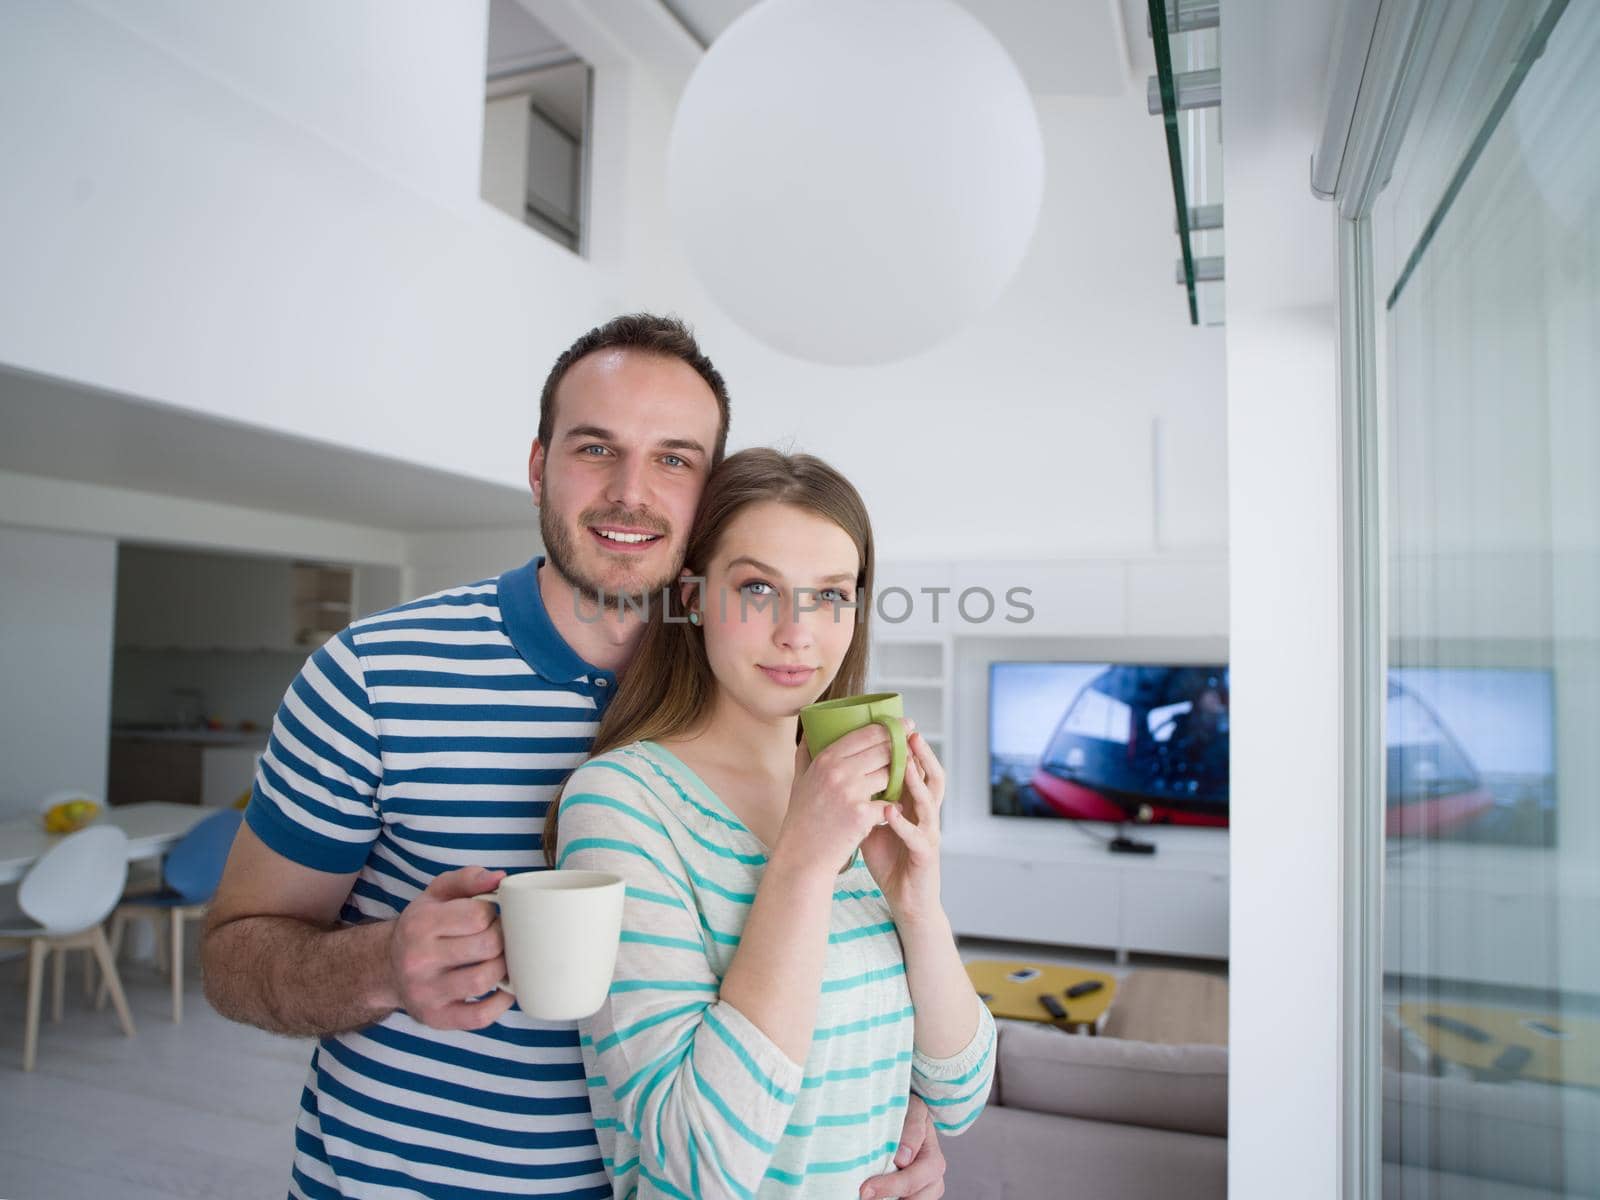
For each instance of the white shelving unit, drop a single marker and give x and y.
(918, 667)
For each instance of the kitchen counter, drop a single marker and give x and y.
(183, 766)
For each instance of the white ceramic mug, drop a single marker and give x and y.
(561, 930)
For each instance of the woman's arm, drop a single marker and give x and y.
(775, 978)
(953, 1062)
(947, 1004)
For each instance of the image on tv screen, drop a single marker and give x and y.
(1109, 742)
(1471, 755)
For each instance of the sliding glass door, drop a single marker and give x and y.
(1479, 264)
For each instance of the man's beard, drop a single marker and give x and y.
(561, 552)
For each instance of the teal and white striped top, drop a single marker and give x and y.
(690, 1099)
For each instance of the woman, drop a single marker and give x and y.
(769, 1012)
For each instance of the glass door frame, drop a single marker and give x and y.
(1365, 665)
(1387, 96)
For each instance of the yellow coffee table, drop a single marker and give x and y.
(1560, 1049)
(1013, 989)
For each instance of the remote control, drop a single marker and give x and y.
(1053, 1006)
(1084, 988)
(1460, 1028)
(1512, 1059)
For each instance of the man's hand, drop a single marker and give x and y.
(920, 1162)
(446, 948)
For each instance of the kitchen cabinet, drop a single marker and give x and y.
(181, 600)
(181, 766)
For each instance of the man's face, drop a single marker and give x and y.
(618, 485)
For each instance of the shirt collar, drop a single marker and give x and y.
(532, 632)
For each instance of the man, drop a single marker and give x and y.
(427, 741)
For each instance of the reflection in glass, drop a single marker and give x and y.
(1486, 265)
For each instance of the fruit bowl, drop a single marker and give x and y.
(68, 812)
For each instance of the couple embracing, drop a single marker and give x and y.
(776, 1025)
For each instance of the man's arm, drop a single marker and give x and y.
(274, 954)
(919, 1162)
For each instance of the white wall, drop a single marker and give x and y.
(210, 212)
(1284, 553)
(56, 597)
(181, 228)
(435, 561)
(397, 85)
(1036, 432)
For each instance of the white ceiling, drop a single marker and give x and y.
(519, 42)
(525, 58)
(67, 432)
(1062, 47)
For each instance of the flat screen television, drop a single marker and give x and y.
(1109, 742)
(1470, 750)
(1471, 755)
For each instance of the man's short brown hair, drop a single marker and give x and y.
(647, 333)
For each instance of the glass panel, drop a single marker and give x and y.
(1486, 257)
(1185, 55)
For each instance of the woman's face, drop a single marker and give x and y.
(773, 610)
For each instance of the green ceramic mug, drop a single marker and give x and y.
(829, 721)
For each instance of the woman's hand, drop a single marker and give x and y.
(903, 854)
(830, 802)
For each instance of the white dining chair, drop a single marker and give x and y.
(66, 896)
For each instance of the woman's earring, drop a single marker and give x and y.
(694, 617)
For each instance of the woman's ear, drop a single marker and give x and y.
(691, 591)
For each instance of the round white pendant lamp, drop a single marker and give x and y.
(854, 180)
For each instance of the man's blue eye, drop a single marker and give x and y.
(598, 449)
(674, 461)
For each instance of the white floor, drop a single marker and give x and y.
(199, 1110)
(204, 1109)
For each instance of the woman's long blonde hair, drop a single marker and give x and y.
(668, 688)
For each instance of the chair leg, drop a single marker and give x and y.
(175, 941)
(38, 949)
(163, 959)
(88, 973)
(119, 923)
(58, 984)
(102, 951)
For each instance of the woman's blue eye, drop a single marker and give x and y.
(835, 596)
(757, 583)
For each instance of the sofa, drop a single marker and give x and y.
(1140, 1111)
(1101, 1117)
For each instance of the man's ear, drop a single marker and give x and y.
(536, 472)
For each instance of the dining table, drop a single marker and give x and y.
(152, 829)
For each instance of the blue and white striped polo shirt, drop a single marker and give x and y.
(425, 738)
